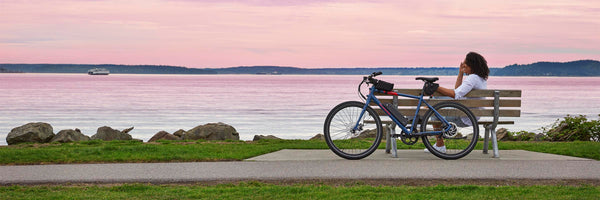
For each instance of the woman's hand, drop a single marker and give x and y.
(462, 68)
(461, 71)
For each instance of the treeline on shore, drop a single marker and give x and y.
(573, 68)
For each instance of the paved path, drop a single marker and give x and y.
(316, 165)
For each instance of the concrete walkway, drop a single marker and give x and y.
(313, 155)
(288, 165)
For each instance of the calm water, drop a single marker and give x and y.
(288, 106)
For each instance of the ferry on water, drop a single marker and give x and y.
(98, 71)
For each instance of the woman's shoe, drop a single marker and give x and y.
(439, 149)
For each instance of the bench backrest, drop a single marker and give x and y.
(509, 102)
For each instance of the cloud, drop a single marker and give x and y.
(296, 33)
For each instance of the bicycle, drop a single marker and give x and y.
(353, 129)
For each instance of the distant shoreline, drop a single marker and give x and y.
(408, 75)
(583, 68)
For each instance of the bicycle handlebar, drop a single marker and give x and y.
(370, 79)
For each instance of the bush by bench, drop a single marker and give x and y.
(493, 108)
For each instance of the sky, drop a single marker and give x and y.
(299, 33)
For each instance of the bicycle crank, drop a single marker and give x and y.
(409, 140)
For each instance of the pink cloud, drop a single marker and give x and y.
(297, 33)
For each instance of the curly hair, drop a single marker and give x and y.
(478, 64)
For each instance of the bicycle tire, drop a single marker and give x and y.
(339, 134)
(458, 145)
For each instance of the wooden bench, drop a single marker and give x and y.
(491, 106)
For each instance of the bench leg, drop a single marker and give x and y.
(388, 140)
(394, 147)
(486, 140)
(495, 144)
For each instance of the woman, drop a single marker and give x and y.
(476, 69)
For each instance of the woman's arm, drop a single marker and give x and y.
(446, 91)
(459, 78)
(450, 92)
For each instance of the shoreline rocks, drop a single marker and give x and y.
(163, 135)
(212, 131)
(107, 134)
(319, 136)
(69, 135)
(265, 137)
(39, 132)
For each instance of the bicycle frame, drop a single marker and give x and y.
(371, 98)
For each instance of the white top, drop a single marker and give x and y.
(469, 83)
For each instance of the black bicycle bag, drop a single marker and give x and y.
(385, 86)
(394, 112)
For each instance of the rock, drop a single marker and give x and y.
(179, 133)
(107, 134)
(268, 137)
(69, 135)
(372, 133)
(502, 135)
(163, 135)
(212, 131)
(468, 138)
(127, 130)
(32, 132)
(318, 137)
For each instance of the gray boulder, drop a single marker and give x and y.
(263, 137)
(107, 134)
(212, 131)
(318, 137)
(502, 135)
(179, 133)
(32, 132)
(163, 135)
(127, 130)
(371, 133)
(69, 135)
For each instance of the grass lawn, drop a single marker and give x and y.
(188, 151)
(257, 190)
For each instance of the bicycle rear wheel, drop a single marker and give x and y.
(462, 136)
(342, 137)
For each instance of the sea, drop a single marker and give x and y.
(287, 106)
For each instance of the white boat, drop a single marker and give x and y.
(98, 71)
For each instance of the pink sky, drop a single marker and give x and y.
(300, 33)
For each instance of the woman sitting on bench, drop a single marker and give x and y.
(476, 68)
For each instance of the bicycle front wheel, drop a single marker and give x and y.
(349, 135)
(461, 136)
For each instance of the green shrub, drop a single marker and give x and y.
(573, 128)
(524, 136)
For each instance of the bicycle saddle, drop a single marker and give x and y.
(428, 79)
